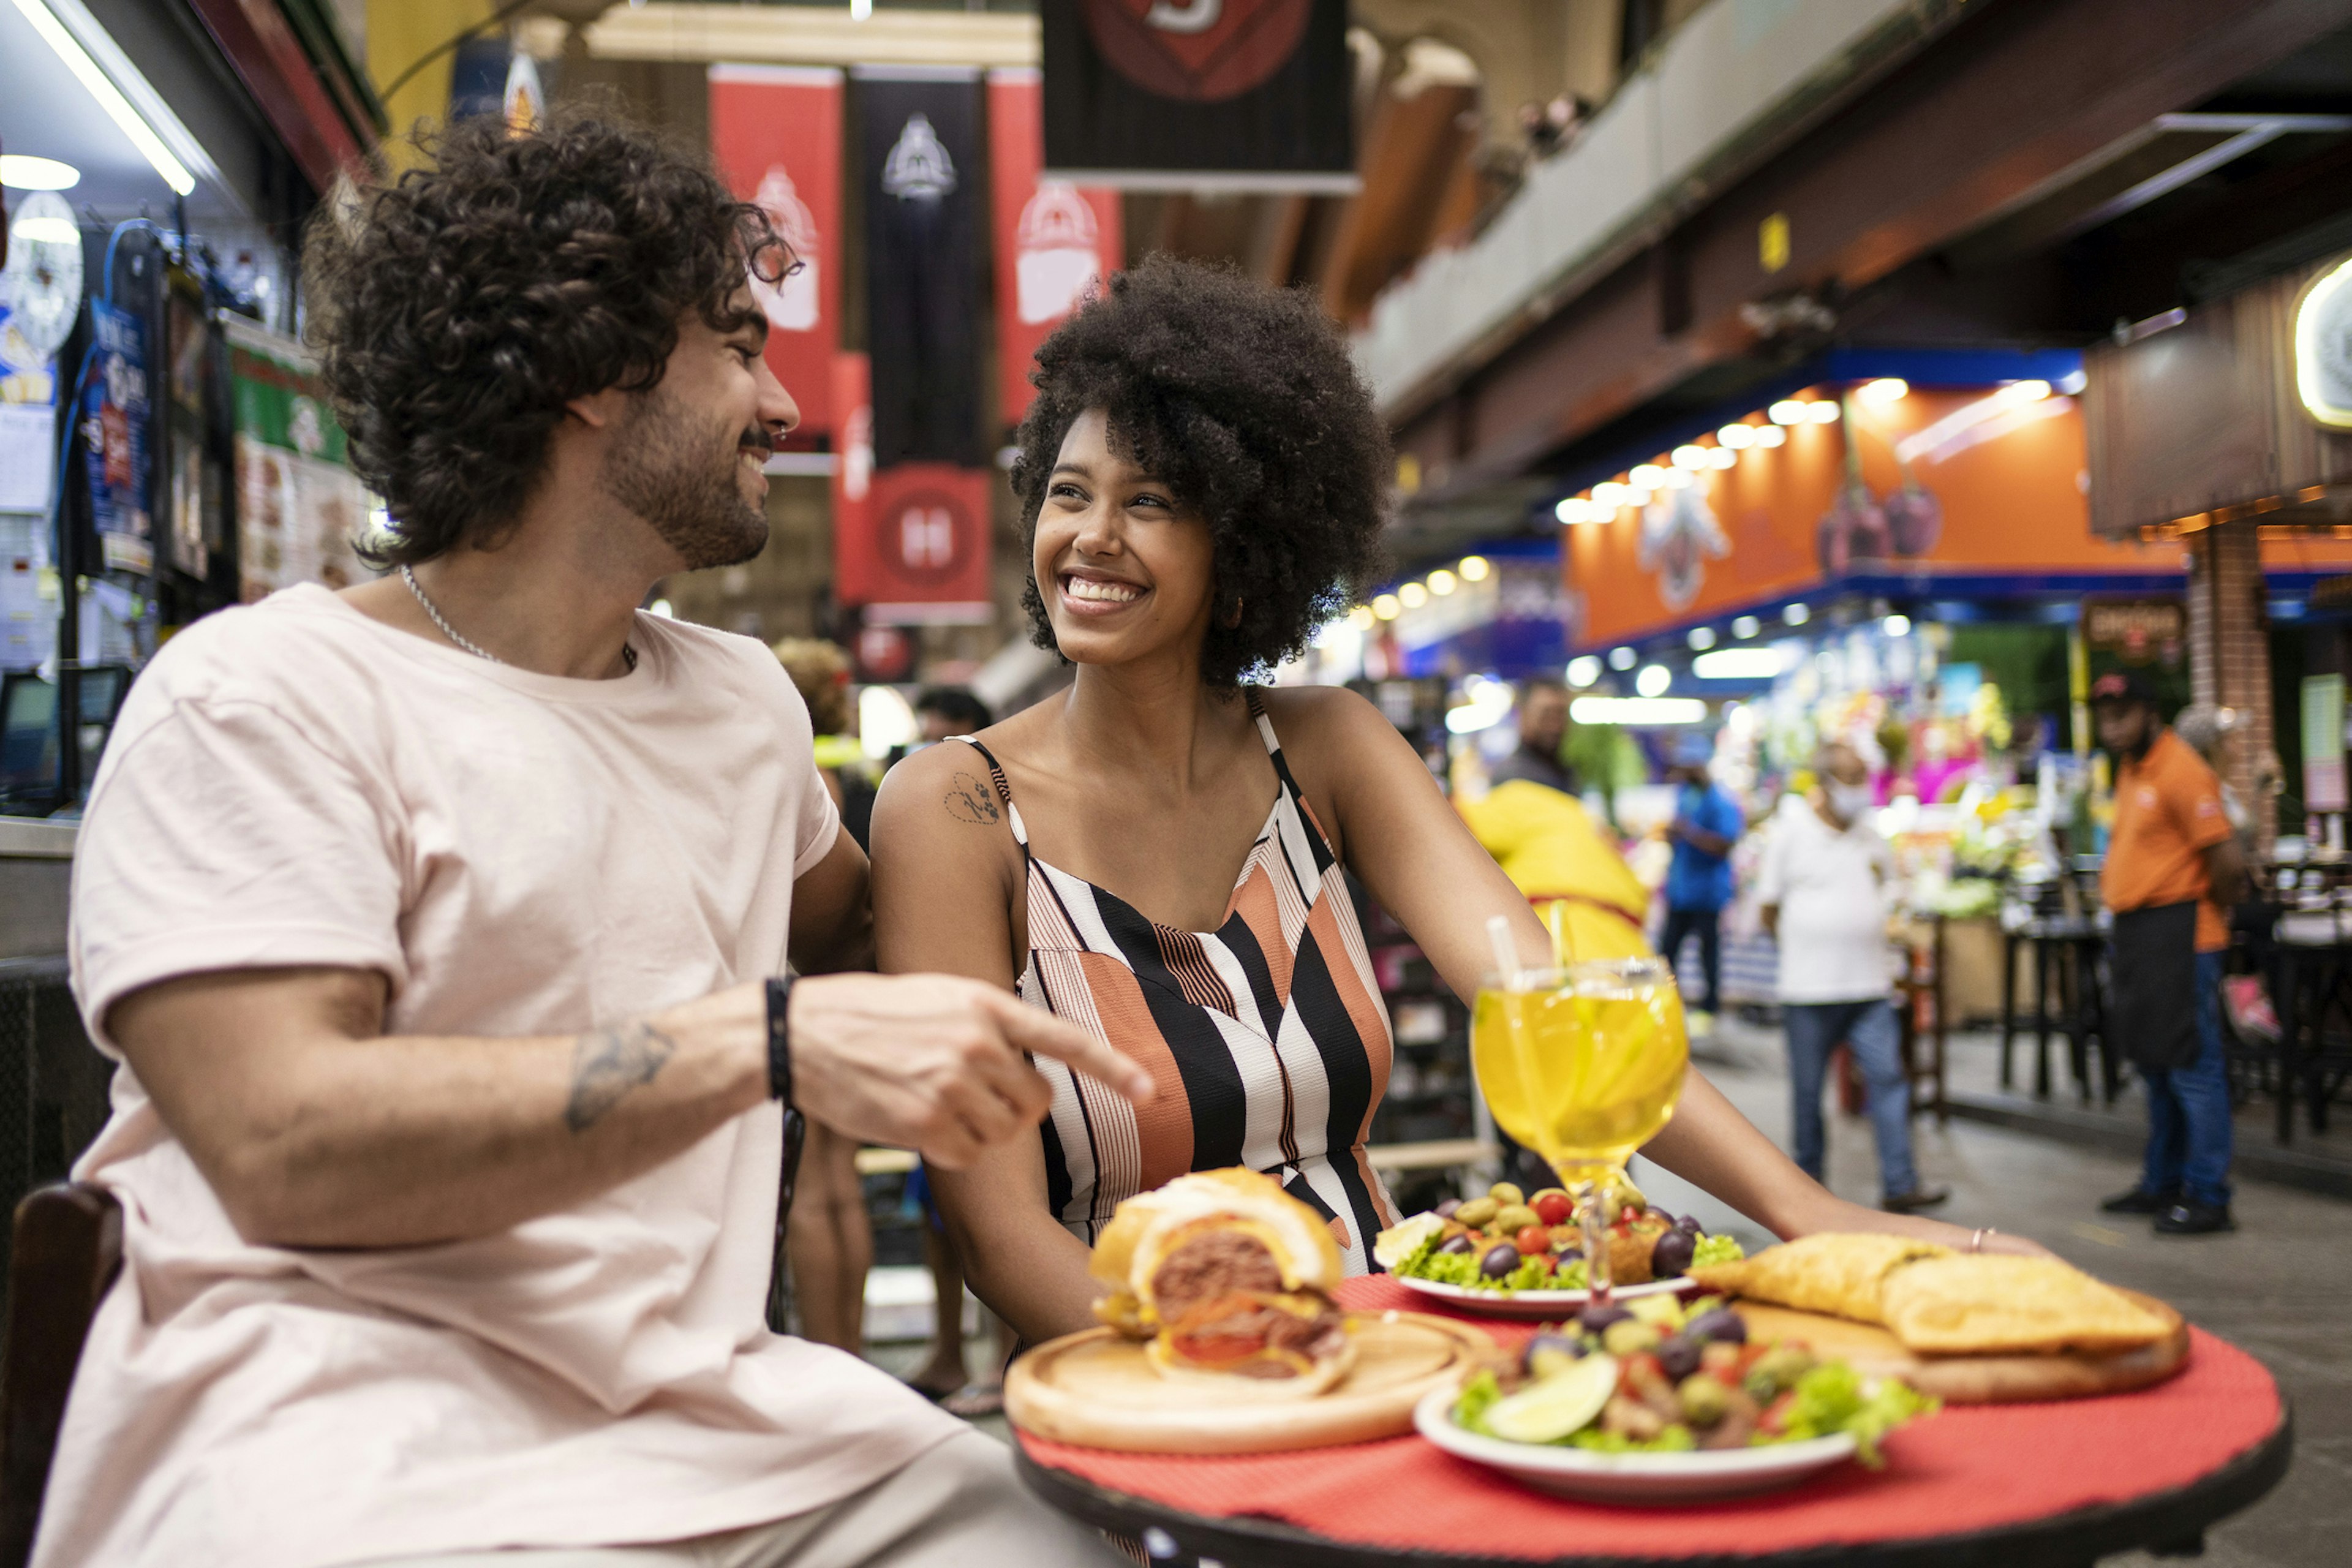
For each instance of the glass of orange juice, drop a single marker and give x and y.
(1583, 1064)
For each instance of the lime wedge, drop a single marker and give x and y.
(1402, 1239)
(1549, 1410)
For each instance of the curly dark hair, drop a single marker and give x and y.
(1243, 401)
(458, 308)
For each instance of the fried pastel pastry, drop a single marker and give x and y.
(1964, 1305)
(1839, 1274)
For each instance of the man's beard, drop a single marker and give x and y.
(660, 468)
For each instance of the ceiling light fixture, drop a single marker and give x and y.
(22, 171)
(1473, 568)
(1788, 411)
(1769, 435)
(1737, 437)
(102, 85)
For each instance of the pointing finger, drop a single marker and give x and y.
(1032, 1029)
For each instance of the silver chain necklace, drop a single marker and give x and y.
(628, 654)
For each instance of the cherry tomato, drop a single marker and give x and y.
(1533, 1240)
(1554, 1208)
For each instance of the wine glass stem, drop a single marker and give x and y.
(1591, 1201)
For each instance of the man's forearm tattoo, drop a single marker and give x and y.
(608, 1063)
(970, 800)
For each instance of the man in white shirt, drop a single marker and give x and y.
(1822, 892)
(434, 922)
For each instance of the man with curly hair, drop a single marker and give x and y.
(431, 922)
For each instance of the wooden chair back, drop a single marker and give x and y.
(69, 1248)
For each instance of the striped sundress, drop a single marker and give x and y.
(1266, 1036)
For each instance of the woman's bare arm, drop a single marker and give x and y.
(945, 873)
(1414, 853)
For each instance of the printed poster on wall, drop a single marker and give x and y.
(853, 478)
(775, 136)
(1055, 241)
(1181, 94)
(115, 413)
(300, 509)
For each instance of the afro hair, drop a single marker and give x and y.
(1243, 399)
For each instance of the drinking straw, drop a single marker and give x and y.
(1563, 952)
(1507, 954)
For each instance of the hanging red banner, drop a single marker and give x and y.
(1053, 240)
(775, 136)
(920, 554)
(851, 383)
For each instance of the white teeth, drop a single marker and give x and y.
(1107, 593)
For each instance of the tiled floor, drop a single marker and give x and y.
(2281, 1287)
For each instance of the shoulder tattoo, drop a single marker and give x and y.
(970, 799)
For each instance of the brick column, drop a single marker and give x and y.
(2230, 657)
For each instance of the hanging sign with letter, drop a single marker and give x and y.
(920, 149)
(1053, 240)
(921, 557)
(1191, 94)
(775, 135)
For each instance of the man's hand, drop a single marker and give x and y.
(933, 1062)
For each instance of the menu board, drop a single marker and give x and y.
(300, 509)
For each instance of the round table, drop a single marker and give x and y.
(2018, 1486)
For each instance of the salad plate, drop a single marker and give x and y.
(1536, 1303)
(1632, 1477)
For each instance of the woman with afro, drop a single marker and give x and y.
(1157, 852)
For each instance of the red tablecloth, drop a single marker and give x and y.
(1965, 1469)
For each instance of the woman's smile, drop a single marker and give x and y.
(1093, 594)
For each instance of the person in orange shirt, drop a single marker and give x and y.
(2172, 866)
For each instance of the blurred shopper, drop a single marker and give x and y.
(828, 1236)
(2173, 867)
(945, 710)
(1707, 825)
(433, 923)
(1822, 892)
(1543, 725)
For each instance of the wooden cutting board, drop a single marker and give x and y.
(1977, 1379)
(1096, 1389)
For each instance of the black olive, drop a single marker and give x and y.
(1719, 1325)
(1445, 1210)
(1689, 1222)
(1596, 1320)
(1499, 1261)
(1671, 1253)
(1455, 1244)
(1678, 1356)
(1566, 1345)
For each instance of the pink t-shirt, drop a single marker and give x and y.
(295, 783)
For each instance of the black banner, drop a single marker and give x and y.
(920, 149)
(1177, 94)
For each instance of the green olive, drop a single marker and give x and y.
(1478, 1212)
(1704, 1399)
(1507, 1193)
(1630, 1336)
(1515, 1217)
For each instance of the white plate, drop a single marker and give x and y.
(1535, 1304)
(1689, 1477)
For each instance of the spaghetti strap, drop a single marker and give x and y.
(1004, 790)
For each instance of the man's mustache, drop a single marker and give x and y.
(757, 440)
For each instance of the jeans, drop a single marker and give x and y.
(1869, 1027)
(2188, 1131)
(1707, 925)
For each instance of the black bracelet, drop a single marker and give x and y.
(780, 1039)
